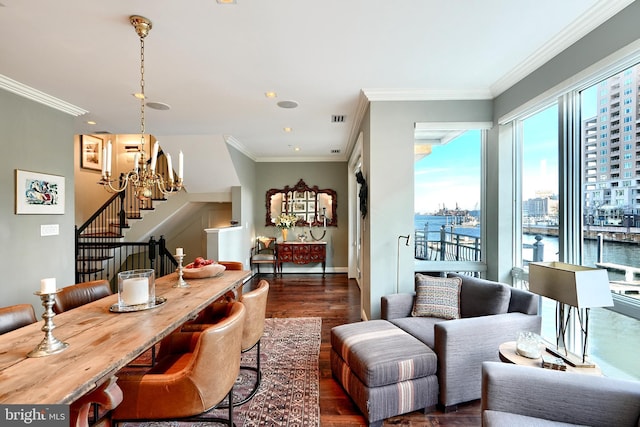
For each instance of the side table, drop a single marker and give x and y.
(508, 354)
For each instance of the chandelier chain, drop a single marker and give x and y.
(143, 96)
(143, 178)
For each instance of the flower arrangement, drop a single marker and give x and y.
(286, 221)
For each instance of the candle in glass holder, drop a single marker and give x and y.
(135, 291)
(48, 286)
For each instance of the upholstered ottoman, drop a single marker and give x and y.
(385, 370)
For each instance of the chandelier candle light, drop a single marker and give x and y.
(142, 178)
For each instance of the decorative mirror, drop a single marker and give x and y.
(312, 206)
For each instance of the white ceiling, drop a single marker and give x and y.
(212, 63)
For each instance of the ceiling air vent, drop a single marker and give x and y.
(335, 151)
(338, 118)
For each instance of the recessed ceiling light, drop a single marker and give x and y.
(271, 94)
(226, 1)
(296, 149)
(91, 122)
(287, 129)
(287, 104)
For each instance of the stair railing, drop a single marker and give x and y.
(98, 240)
(104, 260)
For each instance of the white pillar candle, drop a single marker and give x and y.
(108, 159)
(154, 157)
(104, 162)
(135, 291)
(170, 167)
(180, 165)
(179, 252)
(48, 286)
(136, 160)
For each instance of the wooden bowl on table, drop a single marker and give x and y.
(210, 270)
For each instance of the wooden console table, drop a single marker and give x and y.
(301, 253)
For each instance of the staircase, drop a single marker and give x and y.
(100, 247)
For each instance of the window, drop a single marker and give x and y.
(447, 196)
(607, 206)
(609, 213)
(540, 185)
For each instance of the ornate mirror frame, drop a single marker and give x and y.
(313, 206)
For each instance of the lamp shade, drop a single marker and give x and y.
(575, 285)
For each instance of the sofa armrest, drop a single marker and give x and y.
(523, 301)
(396, 305)
(560, 396)
(463, 344)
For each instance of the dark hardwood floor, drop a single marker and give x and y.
(336, 300)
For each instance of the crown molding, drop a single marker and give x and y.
(232, 141)
(425, 94)
(590, 20)
(28, 92)
(315, 159)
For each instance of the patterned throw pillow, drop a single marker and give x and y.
(437, 297)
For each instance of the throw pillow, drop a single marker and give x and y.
(437, 297)
(481, 297)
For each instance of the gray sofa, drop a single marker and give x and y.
(534, 397)
(491, 313)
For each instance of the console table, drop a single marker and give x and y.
(301, 253)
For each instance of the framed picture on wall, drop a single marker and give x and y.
(91, 152)
(39, 193)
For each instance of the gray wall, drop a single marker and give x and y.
(331, 175)
(39, 139)
(244, 197)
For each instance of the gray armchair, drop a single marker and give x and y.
(491, 314)
(523, 396)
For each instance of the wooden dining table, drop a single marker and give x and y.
(101, 342)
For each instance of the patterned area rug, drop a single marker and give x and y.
(289, 393)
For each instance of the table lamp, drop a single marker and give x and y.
(576, 287)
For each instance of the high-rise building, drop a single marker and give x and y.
(611, 151)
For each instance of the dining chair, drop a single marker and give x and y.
(255, 302)
(264, 252)
(79, 294)
(232, 265)
(195, 372)
(16, 316)
(235, 294)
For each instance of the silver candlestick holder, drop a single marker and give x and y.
(50, 344)
(180, 283)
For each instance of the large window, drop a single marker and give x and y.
(580, 195)
(448, 195)
(540, 186)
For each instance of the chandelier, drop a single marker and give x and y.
(143, 178)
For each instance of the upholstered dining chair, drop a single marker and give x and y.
(194, 373)
(235, 294)
(16, 316)
(255, 301)
(79, 294)
(232, 265)
(264, 252)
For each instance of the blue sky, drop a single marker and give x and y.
(451, 173)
